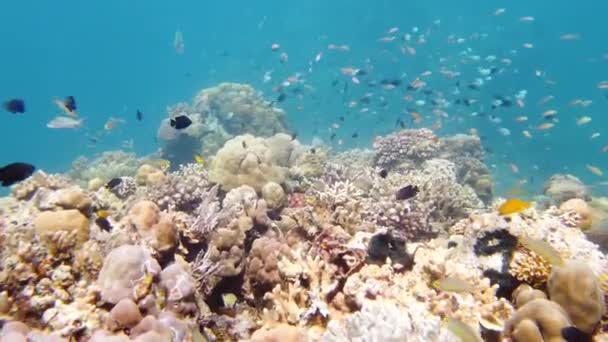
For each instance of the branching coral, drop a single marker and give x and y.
(413, 144)
(530, 268)
(182, 190)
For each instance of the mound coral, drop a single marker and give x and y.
(240, 110)
(155, 228)
(560, 188)
(123, 269)
(576, 288)
(537, 321)
(409, 144)
(247, 160)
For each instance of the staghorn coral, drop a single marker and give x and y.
(248, 160)
(182, 190)
(408, 144)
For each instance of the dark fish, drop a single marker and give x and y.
(294, 135)
(361, 72)
(313, 150)
(474, 86)
(180, 122)
(14, 106)
(103, 224)
(244, 144)
(139, 115)
(365, 99)
(355, 135)
(572, 334)
(406, 192)
(400, 123)
(341, 118)
(427, 92)
(458, 84)
(393, 82)
(114, 182)
(494, 70)
(281, 97)
(335, 82)
(70, 103)
(383, 173)
(333, 136)
(15, 173)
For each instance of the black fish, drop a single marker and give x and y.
(244, 144)
(572, 334)
(103, 224)
(139, 115)
(14, 106)
(400, 122)
(383, 173)
(15, 173)
(114, 182)
(365, 99)
(393, 82)
(361, 72)
(341, 118)
(474, 86)
(70, 103)
(180, 122)
(355, 135)
(313, 150)
(406, 192)
(332, 137)
(294, 136)
(335, 82)
(281, 97)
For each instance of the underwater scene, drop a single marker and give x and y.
(304, 171)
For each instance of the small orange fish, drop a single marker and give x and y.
(595, 170)
(513, 206)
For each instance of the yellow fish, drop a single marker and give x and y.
(229, 300)
(513, 206)
(462, 330)
(542, 248)
(198, 159)
(103, 214)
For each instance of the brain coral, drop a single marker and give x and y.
(253, 161)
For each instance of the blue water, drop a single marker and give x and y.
(117, 56)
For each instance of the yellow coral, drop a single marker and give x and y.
(529, 267)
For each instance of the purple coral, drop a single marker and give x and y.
(412, 144)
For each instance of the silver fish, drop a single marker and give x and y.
(64, 122)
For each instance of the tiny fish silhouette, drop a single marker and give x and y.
(406, 192)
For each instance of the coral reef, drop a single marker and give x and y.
(273, 240)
